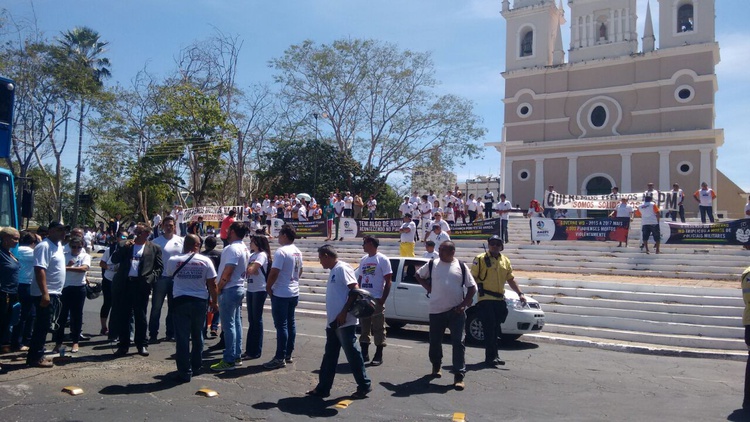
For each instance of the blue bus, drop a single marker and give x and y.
(8, 208)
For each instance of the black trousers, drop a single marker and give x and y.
(492, 313)
(130, 295)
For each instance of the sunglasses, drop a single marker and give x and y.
(495, 244)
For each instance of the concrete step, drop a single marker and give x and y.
(623, 295)
(675, 340)
(724, 326)
(732, 313)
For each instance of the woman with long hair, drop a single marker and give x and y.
(257, 272)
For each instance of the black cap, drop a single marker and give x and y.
(56, 225)
(495, 237)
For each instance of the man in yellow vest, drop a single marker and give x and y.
(492, 270)
(745, 281)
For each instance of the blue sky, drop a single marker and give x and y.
(466, 39)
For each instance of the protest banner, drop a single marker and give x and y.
(734, 232)
(666, 201)
(303, 228)
(587, 229)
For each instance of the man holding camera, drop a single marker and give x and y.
(491, 270)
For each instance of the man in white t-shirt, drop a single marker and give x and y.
(348, 205)
(408, 232)
(680, 194)
(437, 235)
(431, 198)
(73, 294)
(489, 202)
(155, 223)
(338, 210)
(623, 212)
(46, 288)
(443, 224)
(231, 287)
(425, 215)
(194, 290)
(374, 275)
(170, 245)
(406, 207)
(340, 327)
(503, 207)
(650, 222)
(181, 224)
(283, 287)
(445, 280)
(372, 205)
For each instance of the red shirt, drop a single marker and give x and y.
(224, 230)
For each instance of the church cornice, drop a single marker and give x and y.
(528, 10)
(598, 63)
(642, 142)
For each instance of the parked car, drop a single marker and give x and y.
(408, 302)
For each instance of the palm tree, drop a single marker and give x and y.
(82, 71)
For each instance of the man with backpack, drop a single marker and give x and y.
(491, 270)
(445, 279)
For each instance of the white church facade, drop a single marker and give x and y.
(611, 115)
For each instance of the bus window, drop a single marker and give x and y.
(7, 202)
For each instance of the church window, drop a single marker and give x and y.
(524, 175)
(524, 110)
(598, 116)
(527, 44)
(684, 94)
(685, 168)
(685, 18)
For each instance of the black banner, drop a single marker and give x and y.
(734, 232)
(303, 228)
(388, 228)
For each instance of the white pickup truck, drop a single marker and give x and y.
(407, 303)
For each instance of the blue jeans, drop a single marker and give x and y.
(44, 318)
(22, 331)
(73, 298)
(706, 210)
(337, 339)
(282, 310)
(680, 211)
(455, 323)
(189, 318)
(549, 213)
(162, 288)
(230, 308)
(255, 302)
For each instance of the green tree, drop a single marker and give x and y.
(81, 71)
(379, 103)
(311, 166)
(191, 126)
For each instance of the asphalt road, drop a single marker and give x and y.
(541, 382)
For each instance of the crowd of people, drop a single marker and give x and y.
(46, 276)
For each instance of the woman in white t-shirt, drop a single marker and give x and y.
(257, 271)
(73, 294)
(449, 214)
(436, 207)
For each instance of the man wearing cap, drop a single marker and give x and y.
(408, 230)
(437, 235)
(49, 279)
(492, 270)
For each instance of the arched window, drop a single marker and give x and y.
(685, 18)
(527, 44)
